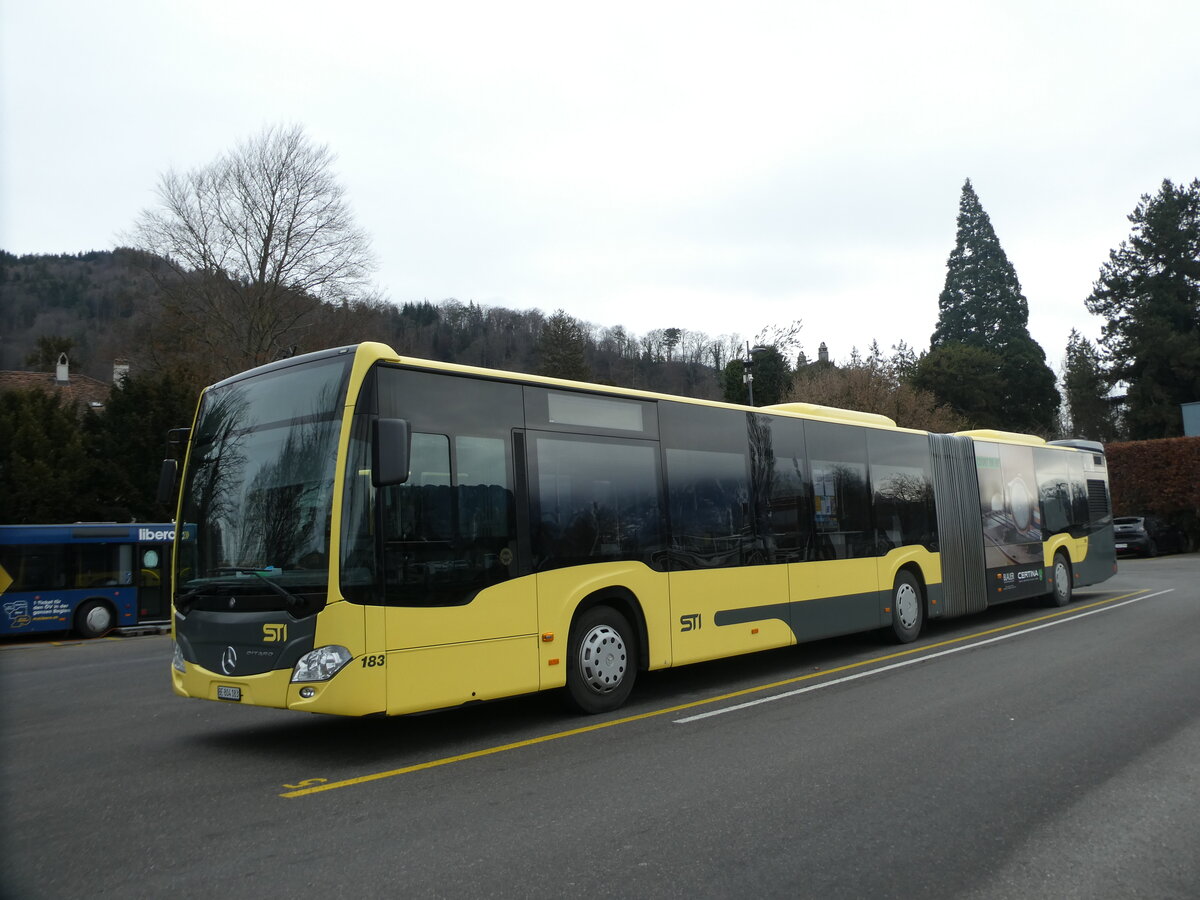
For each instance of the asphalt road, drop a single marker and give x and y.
(1019, 753)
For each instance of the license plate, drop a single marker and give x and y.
(228, 693)
(1121, 546)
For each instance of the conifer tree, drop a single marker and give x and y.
(772, 378)
(561, 348)
(1149, 293)
(981, 306)
(1088, 407)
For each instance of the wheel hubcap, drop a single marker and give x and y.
(98, 619)
(907, 606)
(1062, 581)
(602, 659)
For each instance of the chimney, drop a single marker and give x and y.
(62, 372)
(120, 371)
(823, 353)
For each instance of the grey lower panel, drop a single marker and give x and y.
(811, 620)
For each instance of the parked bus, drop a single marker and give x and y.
(381, 535)
(86, 577)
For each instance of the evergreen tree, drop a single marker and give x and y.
(1149, 293)
(561, 348)
(982, 307)
(44, 470)
(965, 378)
(772, 378)
(981, 303)
(1088, 408)
(127, 443)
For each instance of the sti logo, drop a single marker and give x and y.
(274, 634)
(689, 622)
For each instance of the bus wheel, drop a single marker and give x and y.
(1061, 595)
(94, 619)
(602, 661)
(908, 608)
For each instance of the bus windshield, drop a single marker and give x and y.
(259, 486)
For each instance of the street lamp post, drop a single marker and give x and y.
(748, 370)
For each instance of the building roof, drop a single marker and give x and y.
(81, 390)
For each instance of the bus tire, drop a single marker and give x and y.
(908, 608)
(94, 619)
(1061, 595)
(602, 661)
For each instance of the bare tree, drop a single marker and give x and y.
(256, 241)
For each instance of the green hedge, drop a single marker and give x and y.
(1160, 477)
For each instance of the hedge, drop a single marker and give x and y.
(1160, 477)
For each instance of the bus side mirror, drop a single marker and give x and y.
(390, 445)
(166, 482)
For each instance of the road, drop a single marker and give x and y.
(1022, 752)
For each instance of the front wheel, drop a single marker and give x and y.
(602, 661)
(908, 608)
(1061, 595)
(94, 619)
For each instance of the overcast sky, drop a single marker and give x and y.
(718, 167)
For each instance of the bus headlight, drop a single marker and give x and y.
(177, 659)
(321, 664)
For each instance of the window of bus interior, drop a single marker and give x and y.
(446, 537)
(837, 455)
(595, 499)
(450, 530)
(902, 490)
(779, 473)
(1009, 508)
(1054, 489)
(102, 565)
(35, 567)
(574, 411)
(708, 484)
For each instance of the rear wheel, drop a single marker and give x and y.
(1061, 595)
(94, 619)
(602, 660)
(908, 608)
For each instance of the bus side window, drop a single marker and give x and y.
(596, 499)
(841, 498)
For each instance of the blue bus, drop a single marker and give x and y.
(87, 577)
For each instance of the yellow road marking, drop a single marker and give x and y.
(731, 695)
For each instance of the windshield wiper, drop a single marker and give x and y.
(220, 587)
(292, 599)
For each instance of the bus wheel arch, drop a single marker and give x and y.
(626, 603)
(94, 618)
(1061, 595)
(602, 658)
(907, 602)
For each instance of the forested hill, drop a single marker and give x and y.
(94, 299)
(107, 305)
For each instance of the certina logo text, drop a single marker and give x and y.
(228, 660)
(149, 534)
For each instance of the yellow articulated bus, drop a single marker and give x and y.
(381, 535)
